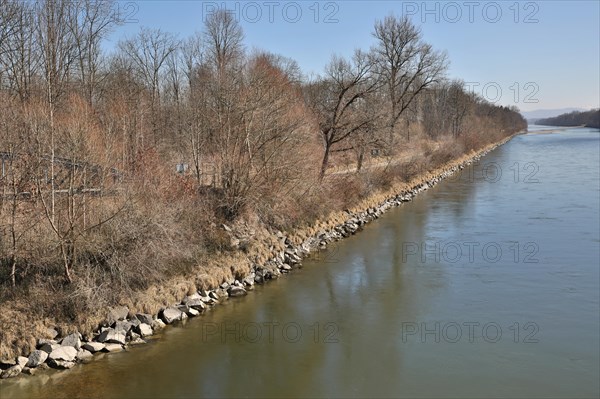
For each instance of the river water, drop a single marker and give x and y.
(485, 286)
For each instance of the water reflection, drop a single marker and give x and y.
(373, 291)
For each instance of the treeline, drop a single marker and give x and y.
(118, 168)
(584, 118)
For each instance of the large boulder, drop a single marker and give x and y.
(117, 313)
(194, 302)
(122, 326)
(93, 347)
(73, 340)
(193, 312)
(7, 363)
(83, 355)
(113, 348)
(111, 335)
(42, 342)
(61, 364)
(36, 358)
(158, 324)
(145, 318)
(65, 353)
(12, 372)
(48, 348)
(171, 315)
(144, 330)
(235, 291)
(22, 361)
(137, 341)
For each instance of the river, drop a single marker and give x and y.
(486, 285)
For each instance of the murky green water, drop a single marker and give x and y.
(485, 286)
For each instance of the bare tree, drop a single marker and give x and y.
(406, 64)
(224, 41)
(459, 103)
(148, 53)
(57, 49)
(90, 21)
(339, 99)
(10, 13)
(445, 107)
(19, 55)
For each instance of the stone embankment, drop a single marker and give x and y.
(122, 328)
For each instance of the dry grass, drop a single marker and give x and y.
(156, 256)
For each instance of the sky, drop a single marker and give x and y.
(529, 54)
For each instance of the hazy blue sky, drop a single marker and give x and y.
(538, 54)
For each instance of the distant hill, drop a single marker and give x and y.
(532, 116)
(585, 118)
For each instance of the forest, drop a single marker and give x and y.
(584, 118)
(124, 170)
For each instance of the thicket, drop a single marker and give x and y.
(119, 169)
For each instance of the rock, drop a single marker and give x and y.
(28, 370)
(66, 353)
(113, 348)
(222, 293)
(22, 361)
(249, 281)
(144, 330)
(193, 312)
(213, 295)
(61, 364)
(195, 303)
(5, 364)
(145, 318)
(235, 291)
(224, 285)
(36, 358)
(112, 336)
(122, 326)
(137, 341)
(93, 347)
(42, 342)
(117, 313)
(11, 372)
(51, 333)
(84, 355)
(169, 315)
(73, 340)
(157, 324)
(48, 348)
(195, 295)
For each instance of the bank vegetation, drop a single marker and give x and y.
(124, 173)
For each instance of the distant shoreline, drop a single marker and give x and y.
(554, 129)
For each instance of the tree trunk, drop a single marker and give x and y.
(359, 161)
(325, 162)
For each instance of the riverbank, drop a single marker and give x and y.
(189, 296)
(554, 130)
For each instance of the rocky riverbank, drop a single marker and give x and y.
(123, 327)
